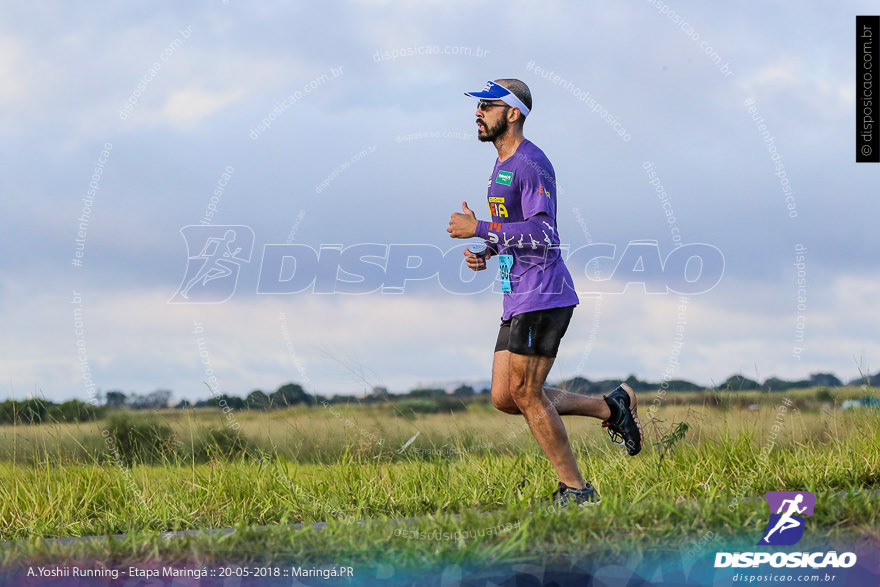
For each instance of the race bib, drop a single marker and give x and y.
(505, 262)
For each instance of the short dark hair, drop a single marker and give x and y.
(519, 89)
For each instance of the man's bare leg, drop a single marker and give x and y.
(526, 376)
(575, 404)
(565, 402)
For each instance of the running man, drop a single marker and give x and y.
(539, 295)
(786, 521)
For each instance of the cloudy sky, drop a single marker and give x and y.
(344, 124)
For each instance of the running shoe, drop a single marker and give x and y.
(624, 426)
(565, 495)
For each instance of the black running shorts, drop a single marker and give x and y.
(534, 333)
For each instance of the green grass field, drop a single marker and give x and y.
(473, 484)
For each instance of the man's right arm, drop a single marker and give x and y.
(476, 262)
(533, 233)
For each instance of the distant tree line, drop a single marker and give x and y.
(733, 383)
(35, 411)
(290, 394)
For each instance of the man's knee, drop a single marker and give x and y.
(504, 404)
(524, 396)
(501, 399)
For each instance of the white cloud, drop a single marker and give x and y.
(15, 82)
(189, 106)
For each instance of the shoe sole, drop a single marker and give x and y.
(634, 411)
(579, 504)
(573, 502)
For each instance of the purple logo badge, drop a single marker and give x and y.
(786, 524)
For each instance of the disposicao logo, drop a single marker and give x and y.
(215, 255)
(784, 528)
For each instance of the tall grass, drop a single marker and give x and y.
(187, 472)
(323, 435)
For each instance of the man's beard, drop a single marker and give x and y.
(493, 132)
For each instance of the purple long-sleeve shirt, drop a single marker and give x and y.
(522, 202)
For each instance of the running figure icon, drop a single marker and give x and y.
(786, 522)
(215, 256)
(788, 513)
(219, 261)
